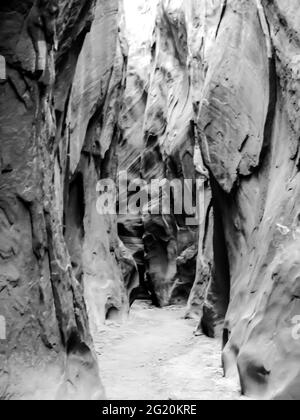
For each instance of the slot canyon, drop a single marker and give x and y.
(142, 305)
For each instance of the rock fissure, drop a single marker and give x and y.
(162, 90)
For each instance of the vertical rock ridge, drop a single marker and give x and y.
(48, 192)
(207, 90)
(235, 68)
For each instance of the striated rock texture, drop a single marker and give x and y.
(158, 142)
(168, 137)
(211, 92)
(225, 75)
(58, 112)
(139, 20)
(249, 131)
(247, 122)
(260, 204)
(93, 136)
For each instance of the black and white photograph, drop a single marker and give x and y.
(149, 203)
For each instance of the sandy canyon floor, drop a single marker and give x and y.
(156, 356)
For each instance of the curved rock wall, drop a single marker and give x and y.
(158, 143)
(261, 216)
(58, 112)
(212, 95)
(225, 74)
(139, 21)
(168, 137)
(248, 128)
(93, 136)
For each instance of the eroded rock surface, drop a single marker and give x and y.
(139, 21)
(261, 219)
(249, 131)
(225, 74)
(208, 90)
(58, 112)
(159, 143)
(92, 119)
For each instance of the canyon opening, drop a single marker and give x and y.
(149, 193)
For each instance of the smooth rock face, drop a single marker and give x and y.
(249, 127)
(222, 76)
(61, 93)
(235, 98)
(92, 119)
(230, 69)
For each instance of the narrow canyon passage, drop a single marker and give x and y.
(156, 356)
(149, 149)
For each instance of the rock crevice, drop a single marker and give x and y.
(166, 89)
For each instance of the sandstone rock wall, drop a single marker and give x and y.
(93, 137)
(222, 76)
(139, 22)
(248, 126)
(225, 74)
(158, 143)
(58, 112)
(261, 221)
(168, 137)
